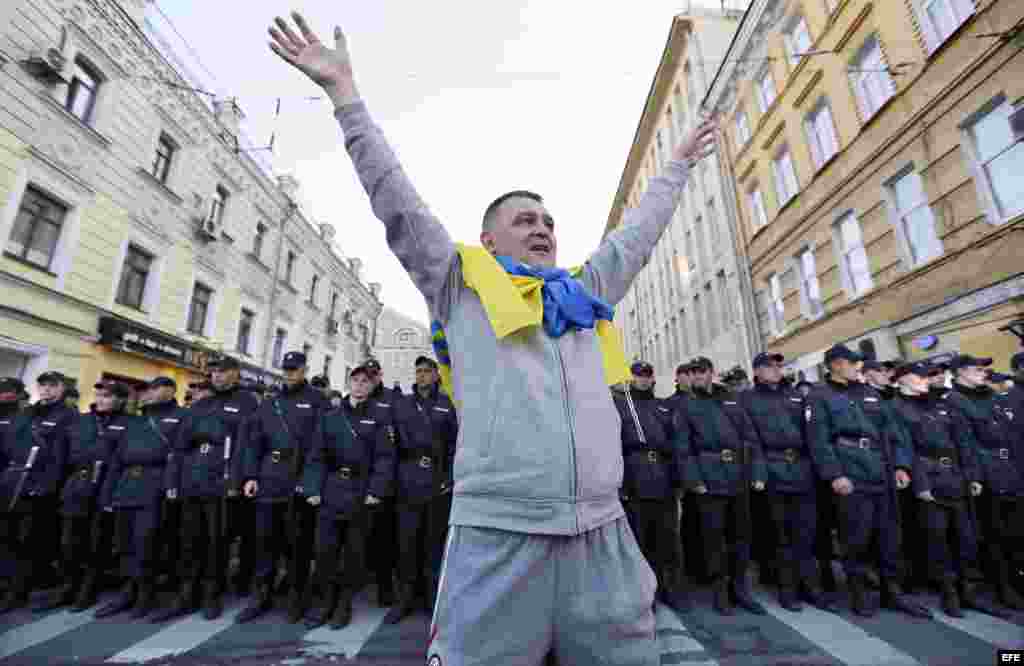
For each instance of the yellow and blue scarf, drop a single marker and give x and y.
(515, 296)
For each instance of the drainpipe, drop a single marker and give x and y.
(267, 342)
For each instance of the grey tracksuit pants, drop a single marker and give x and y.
(507, 599)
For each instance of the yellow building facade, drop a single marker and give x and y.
(879, 186)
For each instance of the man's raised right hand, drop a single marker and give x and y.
(331, 69)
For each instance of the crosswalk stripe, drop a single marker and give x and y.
(184, 635)
(992, 630)
(33, 633)
(844, 640)
(366, 618)
(679, 640)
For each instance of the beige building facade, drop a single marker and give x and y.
(877, 179)
(399, 341)
(690, 299)
(140, 233)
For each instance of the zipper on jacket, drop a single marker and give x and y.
(572, 432)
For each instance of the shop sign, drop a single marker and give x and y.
(126, 336)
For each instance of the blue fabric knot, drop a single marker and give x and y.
(566, 303)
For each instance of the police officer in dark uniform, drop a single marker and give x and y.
(11, 389)
(654, 448)
(321, 383)
(275, 449)
(352, 469)
(724, 457)
(384, 521)
(862, 452)
(33, 460)
(779, 415)
(946, 476)
(203, 469)
(428, 429)
(161, 411)
(991, 425)
(134, 490)
(689, 520)
(879, 376)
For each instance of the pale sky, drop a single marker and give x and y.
(477, 98)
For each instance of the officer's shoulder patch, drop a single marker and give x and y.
(49, 423)
(116, 427)
(663, 409)
(796, 399)
(442, 409)
(943, 412)
(5, 423)
(302, 405)
(870, 399)
(729, 402)
(229, 408)
(368, 421)
(170, 421)
(386, 405)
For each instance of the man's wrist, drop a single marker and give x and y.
(342, 94)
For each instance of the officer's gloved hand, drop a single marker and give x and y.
(314, 500)
(251, 487)
(976, 488)
(172, 493)
(926, 495)
(842, 486)
(902, 479)
(758, 485)
(700, 489)
(371, 500)
(299, 490)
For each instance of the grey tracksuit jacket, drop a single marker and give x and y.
(538, 448)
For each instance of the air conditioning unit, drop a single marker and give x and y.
(1017, 123)
(207, 228)
(48, 67)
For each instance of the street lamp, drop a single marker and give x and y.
(1017, 328)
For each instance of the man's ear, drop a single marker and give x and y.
(487, 240)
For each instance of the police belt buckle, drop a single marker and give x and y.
(790, 455)
(84, 473)
(344, 472)
(946, 461)
(426, 462)
(1003, 454)
(275, 457)
(727, 455)
(204, 449)
(135, 471)
(864, 443)
(652, 456)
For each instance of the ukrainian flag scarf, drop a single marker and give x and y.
(516, 296)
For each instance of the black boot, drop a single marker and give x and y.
(212, 604)
(261, 603)
(742, 597)
(872, 580)
(894, 599)
(123, 602)
(298, 602)
(406, 605)
(970, 600)
(859, 601)
(87, 594)
(147, 598)
(16, 597)
(828, 577)
(814, 595)
(1004, 591)
(951, 600)
(676, 593)
(183, 604)
(321, 615)
(787, 589)
(723, 603)
(64, 597)
(385, 592)
(343, 612)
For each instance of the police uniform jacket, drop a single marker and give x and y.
(992, 433)
(8, 414)
(46, 426)
(352, 457)
(719, 429)
(943, 457)
(281, 429)
(198, 463)
(138, 463)
(780, 415)
(167, 417)
(855, 436)
(652, 469)
(89, 450)
(1015, 400)
(428, 429)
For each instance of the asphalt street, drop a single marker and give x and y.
(700, 638)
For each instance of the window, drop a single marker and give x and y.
(37, 228)
(810, 290)
(165, 149)
(941, 18)
(313, 284)
(334, 304)
(786, 185)
(134, 274)
(757, 212)
(914, 218)
(289, 267)
(279, 338)
(218, 203)
(821, 134)
(766, 90)
(245, 323)
(85, 83)
(999, 160)
(872, 83)
(798, 40)
(327, 366)
(776, 308)
(199, 309)
(257, 241)
(742, 128)
(856, 269)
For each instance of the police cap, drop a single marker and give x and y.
(683, 367)
(641, 369)
(967, 361)
(116, 389)
(50, 377)
(293, 360)
(838, 352)
(11, 385)
(161, 382)
(320, 382)
(764, 358)
(373, 365)
(361, 370)
(223, 363)
(701, 363)
(919, 368)
(425, 360)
